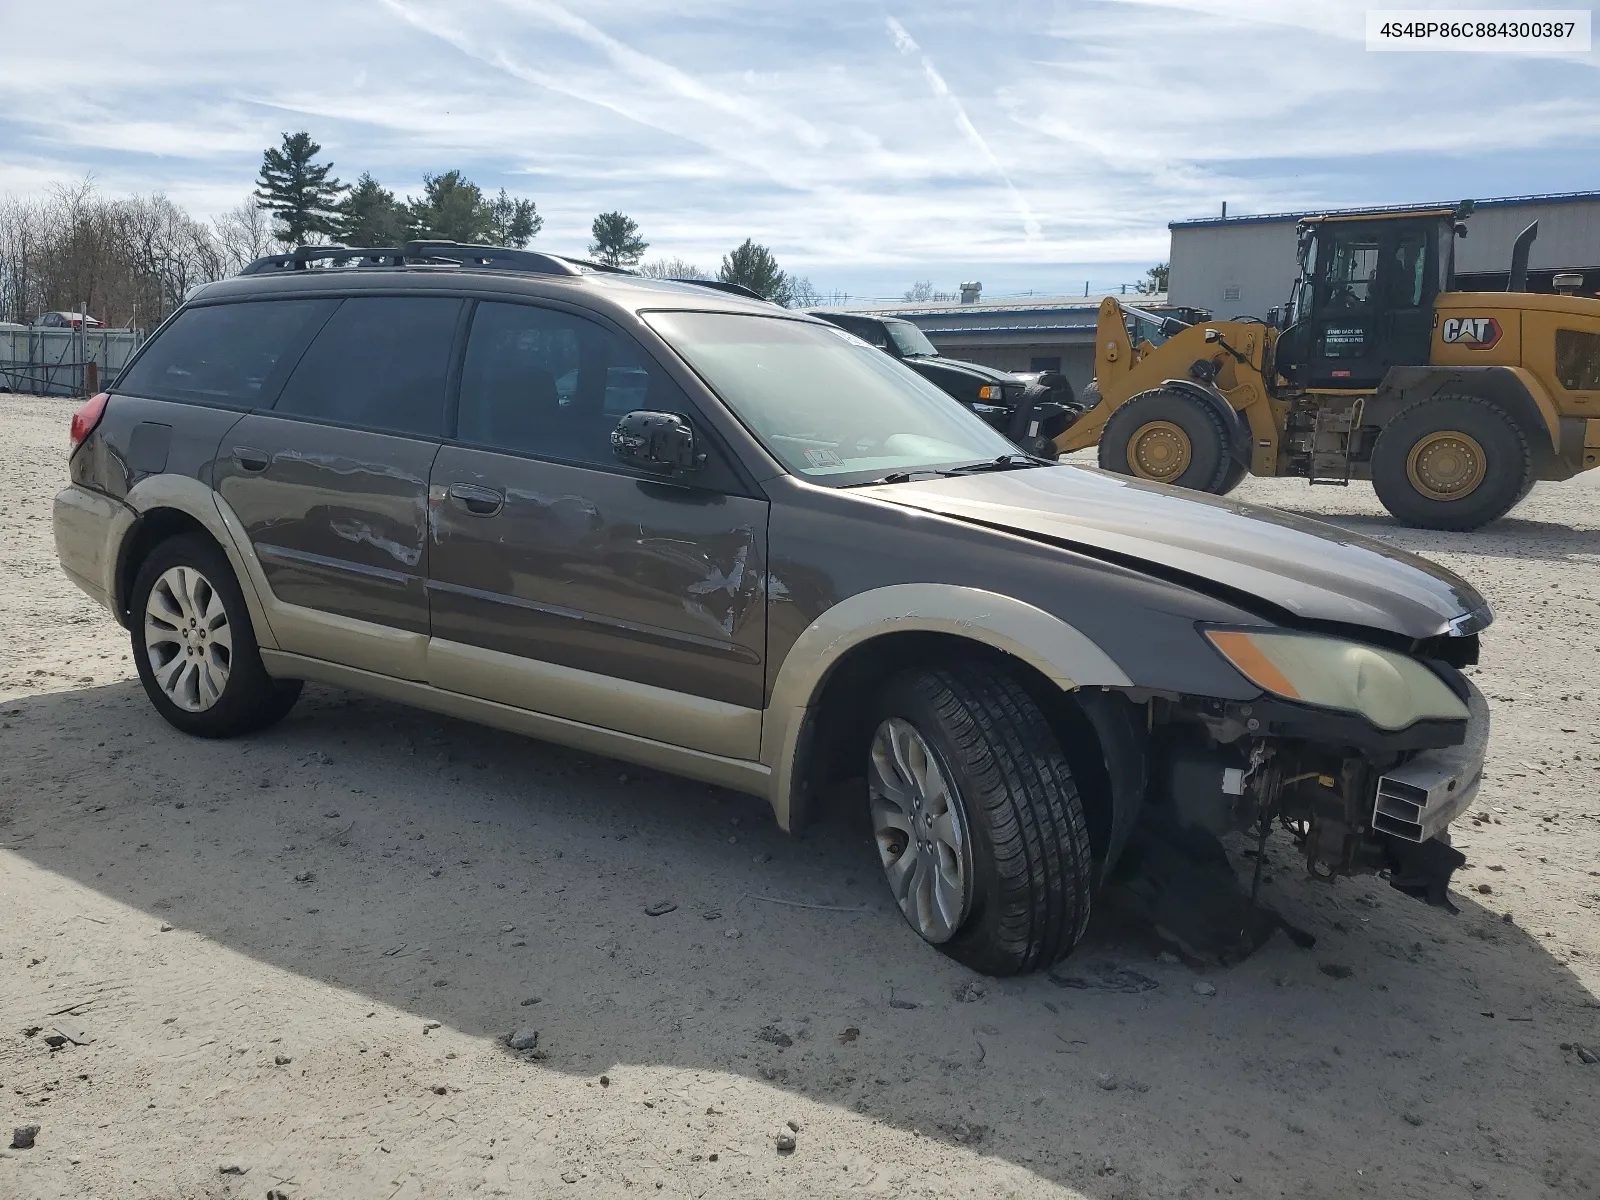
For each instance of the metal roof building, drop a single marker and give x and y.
(1243, 266)
(1016, 333)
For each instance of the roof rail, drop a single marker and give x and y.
(602, 268)
(419, 253)
(737, 289)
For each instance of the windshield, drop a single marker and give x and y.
(913, 343)
(825, 404)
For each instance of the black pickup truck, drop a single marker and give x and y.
(1030, 409)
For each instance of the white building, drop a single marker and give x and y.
(1243, 266)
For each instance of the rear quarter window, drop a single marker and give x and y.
(234, 355)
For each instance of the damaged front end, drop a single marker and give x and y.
(1357, 800)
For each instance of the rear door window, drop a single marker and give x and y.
(234, 355)
(379, 363)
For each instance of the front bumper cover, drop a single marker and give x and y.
(1417, 800)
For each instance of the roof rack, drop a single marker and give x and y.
(737, 289)
(422, 253)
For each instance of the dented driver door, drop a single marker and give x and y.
(600, 597)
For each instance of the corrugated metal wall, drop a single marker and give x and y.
(1257, 258)
(50, 362)
(1569, 236)
(1210, 261)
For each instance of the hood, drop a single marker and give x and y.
(1315, 571)
(972, 370)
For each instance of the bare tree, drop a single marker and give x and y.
(21, 231)
(244, 234)
(924, 291)
(129, 260)
(802, 294)
(671, 268)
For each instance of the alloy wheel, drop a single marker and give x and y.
(922, 838)
(188, 639)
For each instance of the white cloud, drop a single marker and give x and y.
(907, 45)
(852, 140)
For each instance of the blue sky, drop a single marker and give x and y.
(1027, 144)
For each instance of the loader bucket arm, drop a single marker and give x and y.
(1113, 359)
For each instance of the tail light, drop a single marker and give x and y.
(87, 417)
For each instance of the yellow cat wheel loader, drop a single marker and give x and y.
(1451, 403)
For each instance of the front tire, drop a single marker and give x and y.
(1235, 476)
(978, 820)
(1451, 462)
(194, 645)
(1169, 437)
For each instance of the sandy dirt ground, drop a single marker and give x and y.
(291, 960)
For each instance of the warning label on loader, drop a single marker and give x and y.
(1475, 333)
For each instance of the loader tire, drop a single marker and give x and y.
(1236, 473)
(1452, 462)
(1170, 437)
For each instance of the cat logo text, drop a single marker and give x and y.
(1475, 333)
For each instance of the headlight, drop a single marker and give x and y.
(991, 391)
(1386, 688)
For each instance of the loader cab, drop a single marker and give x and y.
(1364, 300)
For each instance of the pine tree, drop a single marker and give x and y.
(616, 240)
(1155, 279)
(452, 209)
(297, 190)
(371, 216)
(513, 222)
(753, 266)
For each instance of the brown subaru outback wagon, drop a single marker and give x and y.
(693, 530)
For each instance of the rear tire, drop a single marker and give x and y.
(1451, 462)
(1002, 830)
(194, 645)
(1169, 437)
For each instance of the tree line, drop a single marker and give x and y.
(130, 261)
(308, 203)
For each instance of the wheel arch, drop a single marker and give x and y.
(850, 647)
(149, 530)
(1232, 418)
(1515, 389)
(168, 505)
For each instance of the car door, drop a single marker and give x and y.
(563, 582)
(331, 485)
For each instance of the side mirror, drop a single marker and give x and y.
(1213, 336)
(1275, 317)
(660, 442)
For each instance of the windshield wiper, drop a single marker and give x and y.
(1006, 462)
(898, 477)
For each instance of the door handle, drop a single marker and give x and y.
(479, 501)
(250, 459)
